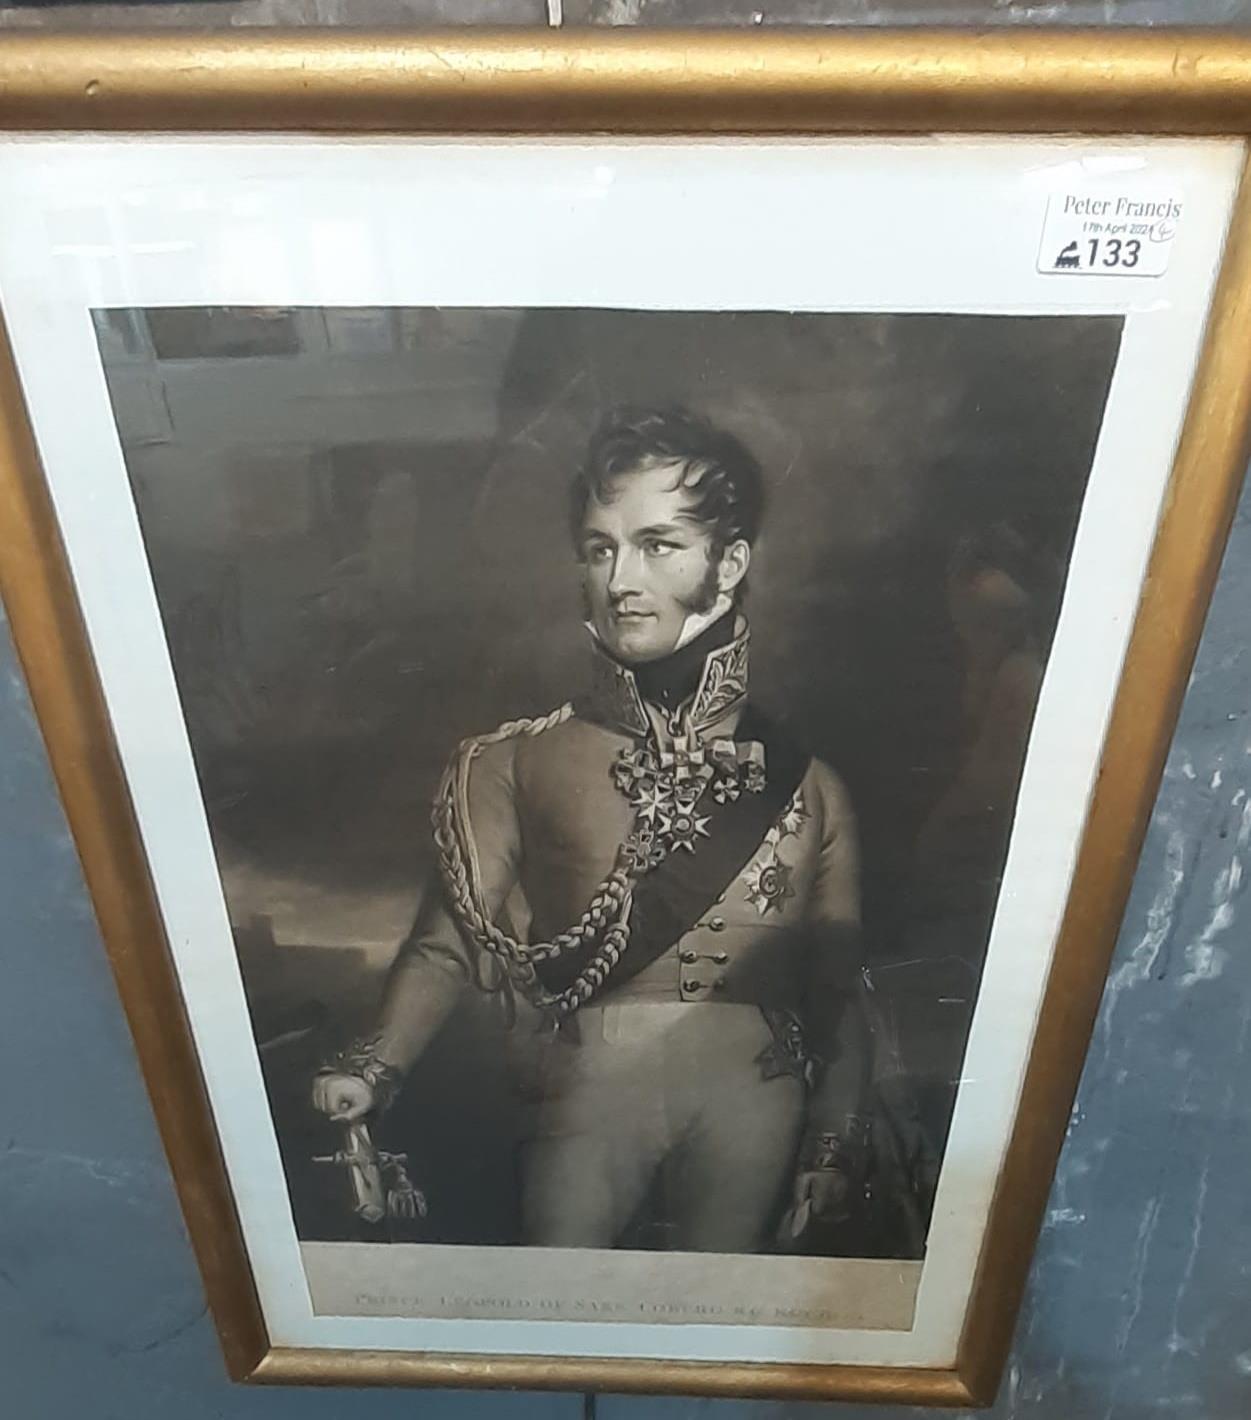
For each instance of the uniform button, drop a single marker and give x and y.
(717, 924)
(689, 956)
(692, 986)
(721, 958)
(719, 984)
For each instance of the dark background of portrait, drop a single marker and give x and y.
(356, 522)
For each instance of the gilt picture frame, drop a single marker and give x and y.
(394, 360)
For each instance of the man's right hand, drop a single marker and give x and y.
(343, 1097)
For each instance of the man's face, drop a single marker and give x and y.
(647, 563)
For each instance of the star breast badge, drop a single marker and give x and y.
(791, 821)
(768, 879)
(681, 828)
(768, 884)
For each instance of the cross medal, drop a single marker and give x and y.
(665, 787)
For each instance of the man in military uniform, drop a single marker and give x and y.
(689, 876)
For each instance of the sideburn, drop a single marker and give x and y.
(704, 597)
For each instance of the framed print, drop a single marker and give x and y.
(607, 613)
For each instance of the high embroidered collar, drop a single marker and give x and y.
(674, 679)
(616, 696)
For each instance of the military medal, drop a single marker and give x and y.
(768, 880)
(768, 885)
(665, 789)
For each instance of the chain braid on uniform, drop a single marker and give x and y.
(604, 926)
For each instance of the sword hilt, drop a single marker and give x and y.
(379, 1181)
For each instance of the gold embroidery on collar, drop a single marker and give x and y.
(723, 684)
(614, 696)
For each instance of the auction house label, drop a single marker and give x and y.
(1109, 234)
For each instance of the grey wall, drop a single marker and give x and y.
(407, 13)
(1138, 1298)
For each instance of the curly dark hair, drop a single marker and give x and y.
(721, 474)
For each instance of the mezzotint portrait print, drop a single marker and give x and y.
(609, 725)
